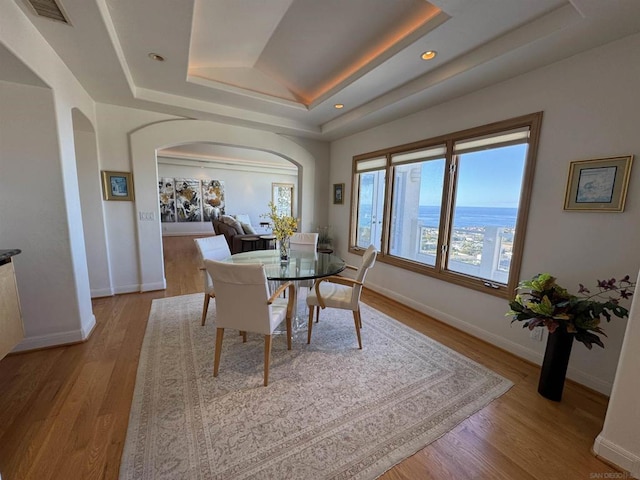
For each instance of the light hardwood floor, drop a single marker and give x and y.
(64, 411)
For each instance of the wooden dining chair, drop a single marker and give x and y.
(341, 292)
(243, 303)
(210, 248)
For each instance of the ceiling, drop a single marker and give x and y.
(282, 65)
(225, 157)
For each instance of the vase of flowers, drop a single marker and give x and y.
(543, 303)
(284, 246)
(282, 227)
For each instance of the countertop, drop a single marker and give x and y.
(5, 255)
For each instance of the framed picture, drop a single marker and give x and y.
(117, 185)
(598, 185)
(338, 193)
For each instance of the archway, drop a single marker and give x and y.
(147, 140)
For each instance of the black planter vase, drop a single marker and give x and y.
(554, 366)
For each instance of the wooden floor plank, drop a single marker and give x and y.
(68, 407)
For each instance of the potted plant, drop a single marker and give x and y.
(543, 303)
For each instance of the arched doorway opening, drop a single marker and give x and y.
(145, 143)
(244, 178)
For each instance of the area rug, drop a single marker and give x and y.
(331, 411)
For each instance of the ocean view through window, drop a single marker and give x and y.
(371, 188)
(454, 207)
(481, 242)
(472, 224)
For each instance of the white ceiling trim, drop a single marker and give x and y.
(433, 23)
(115, 41)
(220, 164)
(542, 27)
(226, 113)
(206, 81)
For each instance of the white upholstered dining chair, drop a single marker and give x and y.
(304, 242)
(341, 292)
(243, 303)
(307, 242)
(210, 248)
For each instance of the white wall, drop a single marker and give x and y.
(93, 225)
(246, 191)
(590, 109)
(38, 162)
(34, 213)
(114, 126)
(619, 441)
(320, 151)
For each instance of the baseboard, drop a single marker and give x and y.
(87, 329)
(102, 292)
(145, 287)
(530, 355)
(594, 383)
(187, 234)
(127, 289)
(149, 287)
(512, 347)
(617, 456)
(55, 339)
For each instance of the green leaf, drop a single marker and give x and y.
(545, 307)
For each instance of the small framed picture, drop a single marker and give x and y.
(117, 186)
(338, 193)
(598, 185)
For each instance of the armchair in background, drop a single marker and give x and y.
(234, 229)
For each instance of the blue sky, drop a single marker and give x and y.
(491, 178)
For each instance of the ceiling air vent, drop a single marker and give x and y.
(49, 9)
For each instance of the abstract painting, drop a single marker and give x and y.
(212, 198)
(166, 191)
(188, 200)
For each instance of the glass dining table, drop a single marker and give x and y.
(301, 267)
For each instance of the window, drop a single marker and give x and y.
(282, 198)
(418, 180)
(453, 207)
(371, 188)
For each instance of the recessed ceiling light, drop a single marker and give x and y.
(428, 55)
(155, 56)
(339, 105)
